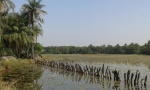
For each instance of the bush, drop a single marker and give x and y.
(38, 48)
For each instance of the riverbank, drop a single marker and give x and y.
(17, 71)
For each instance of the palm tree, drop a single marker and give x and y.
(37, 31)
(16, 34)
(4, 5)
(33, 11)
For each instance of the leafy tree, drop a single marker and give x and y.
(109, 49)
(132, 48)
(38, 48)
(145, 49)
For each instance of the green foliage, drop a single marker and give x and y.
(18, 31)
(16, 36)
(132, 48)
(9, 52)
(2, 52)
(33, 12)
(38, 48)
(6, 51)
(145, 49)
(25, 74)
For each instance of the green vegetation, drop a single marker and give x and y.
(103, 58)
(5, 5)
(19, 74)
(19, 31)
(32, 12)
(18, 38)
(132, 48)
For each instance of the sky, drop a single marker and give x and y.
(96, 22)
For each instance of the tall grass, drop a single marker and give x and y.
(108, 58)
(9, 66)
(6, 86)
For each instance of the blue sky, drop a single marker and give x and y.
(97, 22)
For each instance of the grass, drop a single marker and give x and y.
(13, 63)
(6, 86)
(108, 58)
(10, 66)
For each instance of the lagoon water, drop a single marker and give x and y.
(57, 79)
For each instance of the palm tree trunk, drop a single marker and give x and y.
(33, 50)
(0, 24)
(27, 52)
(0, 34)
(36, 38)
(33, 39)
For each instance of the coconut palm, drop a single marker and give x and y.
(33, 11)
(37, 31)
(4, 5)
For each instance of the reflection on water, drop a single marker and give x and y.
(58, 79)
(26, 77)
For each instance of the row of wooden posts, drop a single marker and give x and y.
(95, 80)
(79, 77)
(97, 72)
(129, 78)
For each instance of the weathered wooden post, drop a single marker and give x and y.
(128, 76)
(135, 79)
(125, 79)
(94, 70)
(145, 80)
(115, 74)
(118, 78)
(138, 77)
(132, 79)
(102, 75)
(99, 71)
(106, 72)
(110, 75)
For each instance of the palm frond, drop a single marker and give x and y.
(8, 5)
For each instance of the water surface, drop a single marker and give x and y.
(57, 79)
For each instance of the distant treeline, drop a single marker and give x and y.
(132, 48)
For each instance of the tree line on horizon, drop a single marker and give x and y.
(132, 48)
(19, 30)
